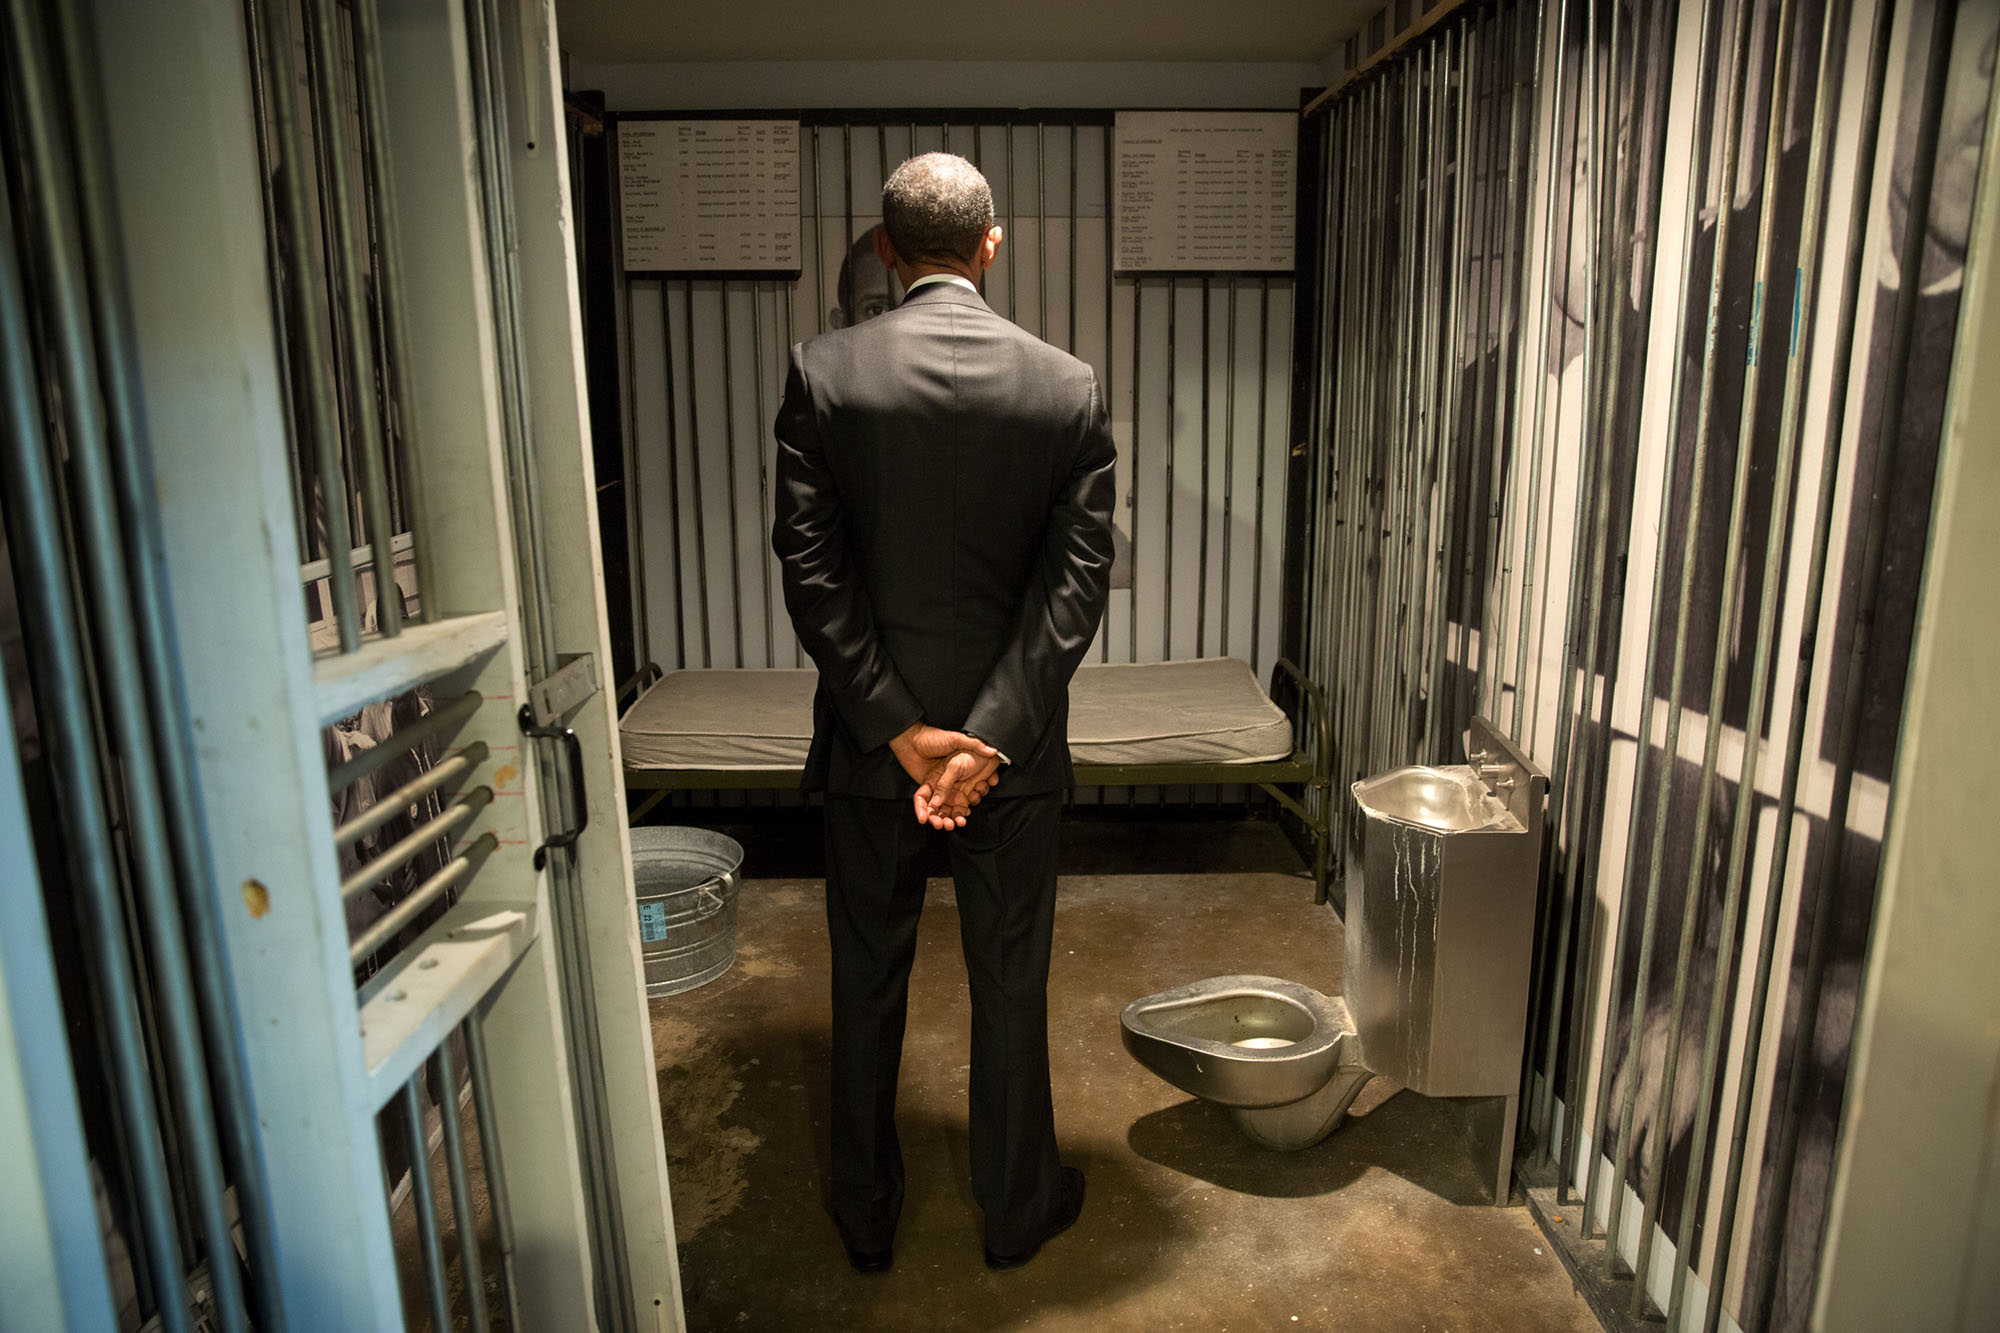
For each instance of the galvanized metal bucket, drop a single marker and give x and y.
(685, 880)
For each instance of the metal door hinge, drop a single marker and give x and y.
(573, 682)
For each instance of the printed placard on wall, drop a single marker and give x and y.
(709, 196)
(1206, 191)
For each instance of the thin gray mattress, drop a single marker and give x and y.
(1208, 711)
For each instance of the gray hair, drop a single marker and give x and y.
(936, 206)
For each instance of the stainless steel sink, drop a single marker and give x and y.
(1441, 917)
(1451, 799)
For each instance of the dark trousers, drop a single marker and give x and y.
(1004, 866)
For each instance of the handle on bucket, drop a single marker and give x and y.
(714, 893)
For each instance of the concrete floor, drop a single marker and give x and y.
(1186, 1226)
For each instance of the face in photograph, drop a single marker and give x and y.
(865, 289)
(1961, 131)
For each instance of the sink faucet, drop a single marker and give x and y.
(1490, 774)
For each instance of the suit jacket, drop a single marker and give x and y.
(943, 527)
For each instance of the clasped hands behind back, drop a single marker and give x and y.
(953, 772)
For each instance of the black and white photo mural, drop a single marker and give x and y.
(1194, 368)
(1643, 470)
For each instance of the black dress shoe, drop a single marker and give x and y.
(870, 1261)
(1068, 1207)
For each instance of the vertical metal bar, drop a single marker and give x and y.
(1409, 412)
(1167, 486)
(764, 557)
(1330, 489)
(1013, 299)
(322, 244)
(1552, 916)
(600, 1181)
(1507, 333)
(1457, 501)
(1110, 363)
(1201, 539)
(1425, 447)
(1263, 440)
(389, 289)
(1441, 543)
(1448, 138)
(1420, 433)
(635, 490)
(1228, 470)
(1327, 387)
(1467, 520)
(1487, 461)
(700, 499)
(1042, 228)
(1423, 463)
(1532, 622)
(1335, 490)
(847, 228)
(1138, 403)
(346, 277)
(261, 114)
(674, 468)
(1070, 346)
(1337, 405)
(784, 347)
(819, 243)
(1555, 893)
(471, 1275)
(1353, 477)
(1317, 579)
(1403, 437)
(729, 474)
(1368, 444)
(1541, 383)
(1442, 704)
(426, 1207)
(1780, 80)
(131, 467)
(1502, 463)
(492, 1164)
(55, 640)
(1313, 579)
(306, 295)
(1731, 145)
(1385, 389)
(1414, 509)
(503, 247)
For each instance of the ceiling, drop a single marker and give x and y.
(605, 32)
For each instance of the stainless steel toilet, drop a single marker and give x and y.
(1439, 926)
(1282, 1057)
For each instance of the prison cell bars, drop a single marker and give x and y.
(1620, 92)
(161, 991)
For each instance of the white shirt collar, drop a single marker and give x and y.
(930, 278)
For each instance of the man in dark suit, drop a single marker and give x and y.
(944, 529)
